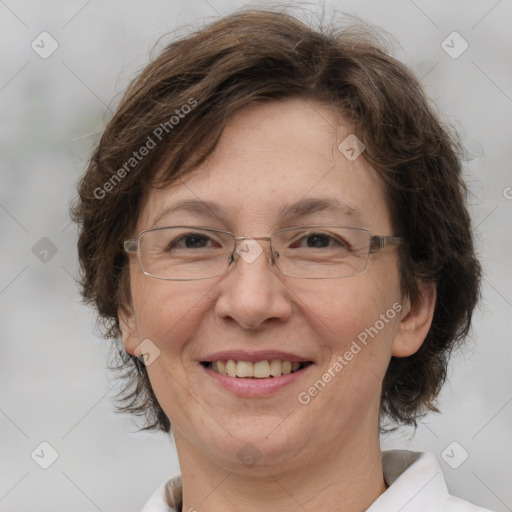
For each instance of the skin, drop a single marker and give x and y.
(321, 456)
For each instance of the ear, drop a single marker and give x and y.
(130, 332)
(416, 321)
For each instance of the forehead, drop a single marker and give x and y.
(276, 162)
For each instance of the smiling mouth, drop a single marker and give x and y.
(258, 370)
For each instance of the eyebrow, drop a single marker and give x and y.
(300, 208)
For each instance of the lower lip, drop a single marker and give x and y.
(251, 387)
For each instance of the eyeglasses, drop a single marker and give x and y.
(186, 253)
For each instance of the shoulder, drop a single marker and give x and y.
(167, 498)
(416, 483)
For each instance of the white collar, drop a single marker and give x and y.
(415, 480)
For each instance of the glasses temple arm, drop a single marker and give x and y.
(130, 246)
(379, 242)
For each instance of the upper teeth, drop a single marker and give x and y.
(259, 370)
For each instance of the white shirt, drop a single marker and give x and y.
(415, 484)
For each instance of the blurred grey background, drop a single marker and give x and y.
(63, 65)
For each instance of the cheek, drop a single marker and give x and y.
(355, 322)
(345, 308)
(168, 313)
(356, 332)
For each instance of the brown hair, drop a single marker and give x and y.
(256, 56)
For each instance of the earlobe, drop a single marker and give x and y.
(129, 330)
(416, 321)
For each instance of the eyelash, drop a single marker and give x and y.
(303, 237)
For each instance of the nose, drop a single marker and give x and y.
(252, 292)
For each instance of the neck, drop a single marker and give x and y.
(349, 478)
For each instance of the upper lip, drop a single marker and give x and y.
(254, 356)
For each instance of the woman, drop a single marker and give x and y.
(274, 224)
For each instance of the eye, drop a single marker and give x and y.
(191, 241)
(319, 241)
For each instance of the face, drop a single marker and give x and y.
(272, 156)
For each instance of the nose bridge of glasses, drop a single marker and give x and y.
(251, 251)
(252, 238)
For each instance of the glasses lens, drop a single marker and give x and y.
(185, 252)
(321, 251)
